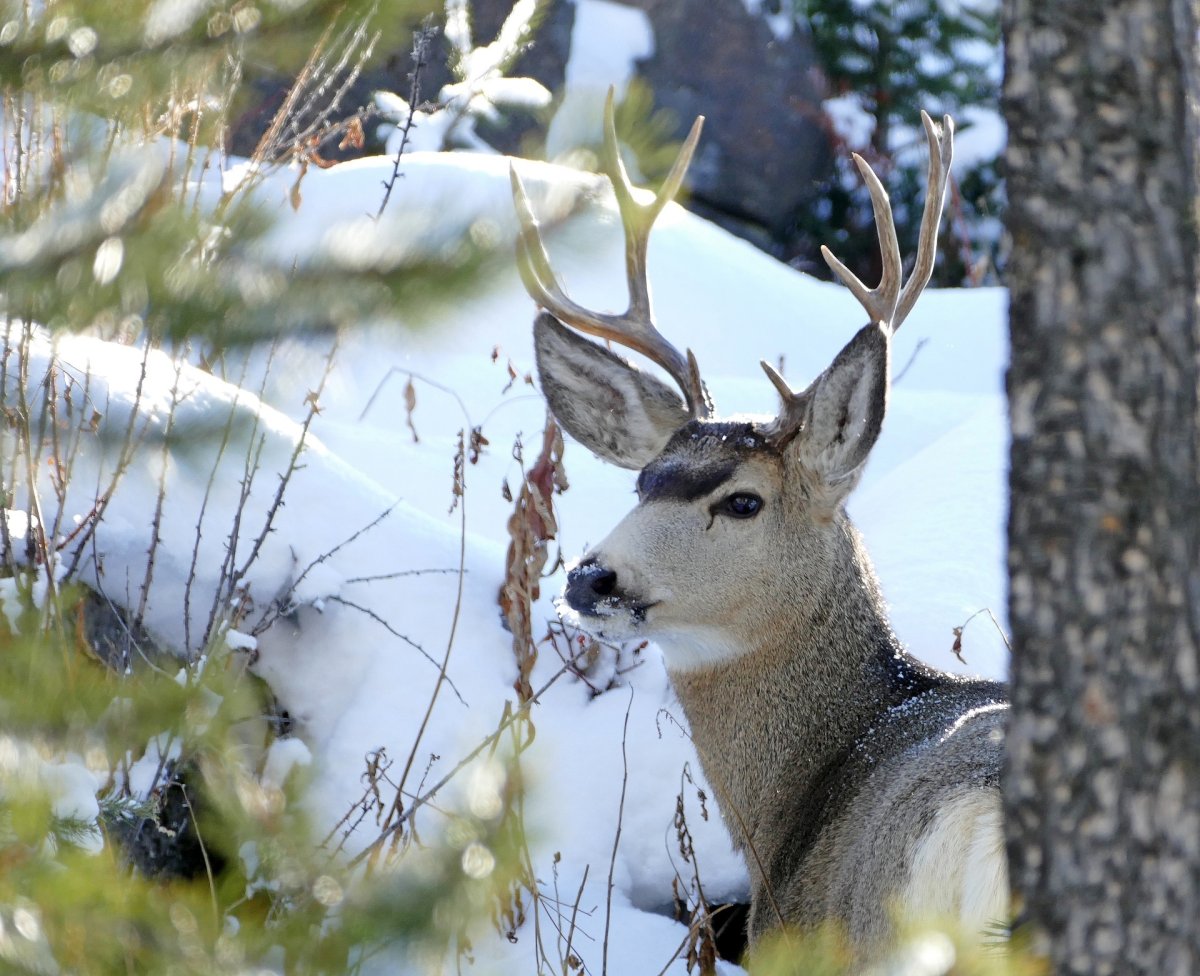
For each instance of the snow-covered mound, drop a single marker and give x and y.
(359, 575)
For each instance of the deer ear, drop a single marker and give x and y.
(845, 412)
(611, 407)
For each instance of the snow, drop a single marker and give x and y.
(981, 136)
(65, 781)
(283, 757)
(359, 576)
(237, 641)
(606, 41)
(782, 21)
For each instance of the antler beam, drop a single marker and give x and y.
(633, 328)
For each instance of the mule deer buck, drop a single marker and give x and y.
(860, 784)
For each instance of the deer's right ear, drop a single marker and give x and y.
(845, 413)
(611, 407)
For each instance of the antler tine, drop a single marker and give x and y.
(788, 421)
(635, 327)
(534, 263)
(637, 219)
(941, 154)
(880, 301)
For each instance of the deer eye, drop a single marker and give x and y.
(742, 505)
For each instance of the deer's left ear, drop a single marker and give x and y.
(846, 409)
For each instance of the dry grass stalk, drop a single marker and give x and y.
(531, 527)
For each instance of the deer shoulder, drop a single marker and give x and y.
(861, 785)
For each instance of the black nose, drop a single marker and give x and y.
(588, 584)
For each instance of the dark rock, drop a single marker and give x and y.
(765, 148)
(765, 151)
(765, 154)
(165, 844)
(115, 638)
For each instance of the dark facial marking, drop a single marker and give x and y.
(677, 479)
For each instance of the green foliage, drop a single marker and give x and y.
(115, 115)
(115, 61)
(895, 59)
(923, 950)
(265, 893)
(901, 57)
(112, 116)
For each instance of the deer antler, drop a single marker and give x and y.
(633, 328)
(887, 303)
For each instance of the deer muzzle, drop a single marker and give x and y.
(592, 588)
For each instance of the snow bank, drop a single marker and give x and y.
(362, 569)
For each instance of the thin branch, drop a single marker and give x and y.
(397, 575)
(921, 344)
(395, 633)
(123, 461)
(286, 477)
(226, 576)
(489, 741)
(226, 433)
(341, 545)
(208, 870)
(424, 379)
(612, 864)
(156, 521)
(420, 57)
(572, 926)
(443, 673)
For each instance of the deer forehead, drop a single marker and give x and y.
(703, 456)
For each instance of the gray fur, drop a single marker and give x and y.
(604, 402)
(830, 749)
(849, 400)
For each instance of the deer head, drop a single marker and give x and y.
(739, 527)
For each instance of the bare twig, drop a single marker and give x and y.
(223, 592)
(341, 545)
(612, 864)
(377, 766)
(283, 603)
(208, 870)
(921, 344)
(442, 672)
(571, 927)
(399, 574)
(313, 400)
(488, 742)
(422, 39)
(156, 521)
(123, 460)
(226, 433)
(956, 648)
(415, 376)
(395, 633)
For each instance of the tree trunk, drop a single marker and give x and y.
(1102, 788)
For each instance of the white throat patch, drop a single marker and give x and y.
(697, 649)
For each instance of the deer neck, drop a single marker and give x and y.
(836, 664)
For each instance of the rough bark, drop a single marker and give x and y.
(1103, 779)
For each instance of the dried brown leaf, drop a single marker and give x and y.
(354, 137)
